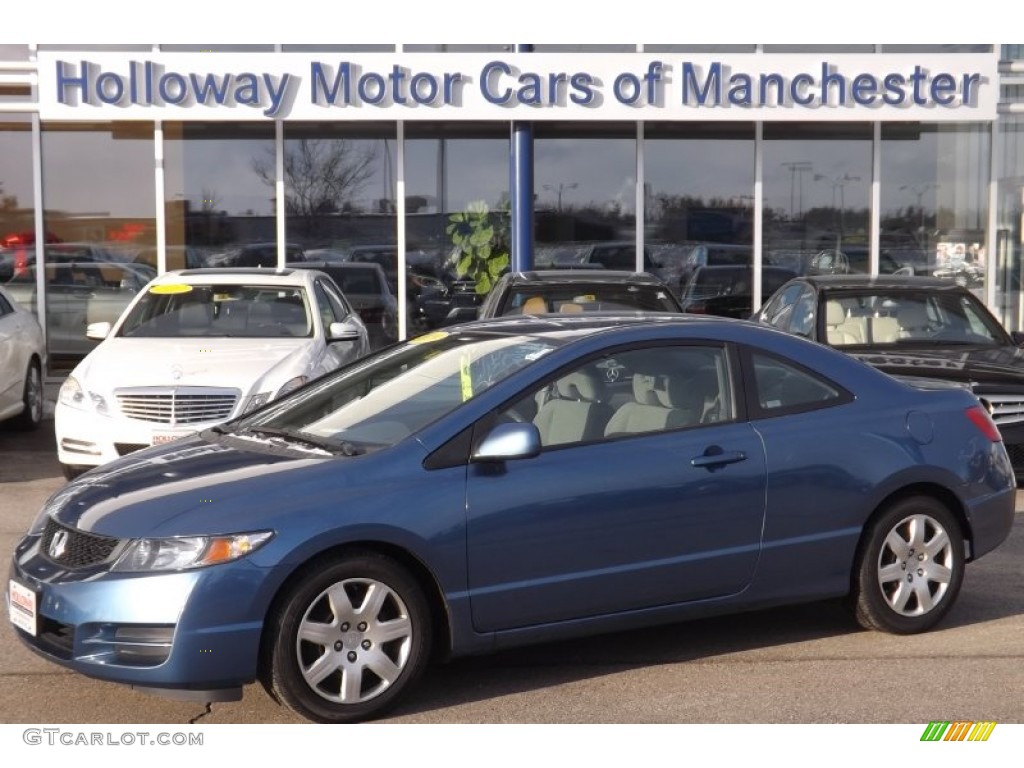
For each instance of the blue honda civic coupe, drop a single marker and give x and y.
(506, 482)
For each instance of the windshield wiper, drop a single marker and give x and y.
(342, 448)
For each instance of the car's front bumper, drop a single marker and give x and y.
(191, 633)
(90, 439)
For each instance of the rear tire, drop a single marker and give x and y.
(910, 567)
(352, 635)
(31, 415)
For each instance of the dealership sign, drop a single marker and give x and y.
(635, 86)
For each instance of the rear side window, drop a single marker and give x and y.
(781, 387)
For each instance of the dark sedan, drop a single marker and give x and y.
(504, 483)
(913, 326)
(566, 291)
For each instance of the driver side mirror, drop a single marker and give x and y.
(507, 442)
(342, 332)
(1018, 338)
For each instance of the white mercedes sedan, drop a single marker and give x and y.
(22, 359)
(198, 347)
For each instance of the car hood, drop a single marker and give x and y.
(993, 366)
(210, 362)
(197, 487)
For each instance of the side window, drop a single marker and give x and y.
(324, 306)
(802, 320)
(780, 309)
(337, 302)
(783, 387)
(654, 389)
(5, 307)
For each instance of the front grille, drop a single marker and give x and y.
(177, 405)
(123, 449)
(1005, 409)
(71, 548)
(1016, 453)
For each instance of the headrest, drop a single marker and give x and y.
(688, 391)
(644, 386)
(570, 307)
(913, 315)
(579, 385)
(535, 305)
(834, 313)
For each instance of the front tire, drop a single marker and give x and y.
(353, 634)
(31, 415)
(910, 567)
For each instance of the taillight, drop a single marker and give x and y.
(980, 418)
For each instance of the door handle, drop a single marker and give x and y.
(715, 457)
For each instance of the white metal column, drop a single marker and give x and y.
(876, 199)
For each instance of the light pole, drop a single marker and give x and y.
(920, 190)
(559, 190)
(838, 182)
(797, 167)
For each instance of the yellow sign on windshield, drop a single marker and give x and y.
(426, 338)
(466, 377)
(169, 288)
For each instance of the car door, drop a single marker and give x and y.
(334, 309)
(12, 363)
(644, 510)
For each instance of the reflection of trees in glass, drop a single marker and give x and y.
(321, 176)
(210, 201)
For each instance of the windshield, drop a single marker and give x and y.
(399, 391)
(172, 310)
(908, 317)
(597, 297)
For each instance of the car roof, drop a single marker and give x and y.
(831, 282)
(239, 275)
(592, 321)
(545, 276)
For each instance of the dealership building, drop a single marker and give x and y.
(852, 158)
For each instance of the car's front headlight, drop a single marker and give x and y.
(175, 554)
(256, 401)
(290, 385)
(74, 395)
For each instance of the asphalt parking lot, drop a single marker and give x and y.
(806, 664)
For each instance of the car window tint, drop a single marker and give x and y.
(802, 319)
(781, 386)
(779, 309)
(327, 311)
(338, 304)
(639, 391)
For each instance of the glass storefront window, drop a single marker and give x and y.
(17, 212)
(698, 203)
(817, 180)
(455, 174)
(340, 205)
(219, 195)
(934, 198)
(585, 194)
(1009, 236)
(99, 216)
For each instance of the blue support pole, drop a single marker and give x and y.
(521, 188)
